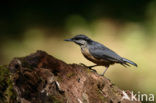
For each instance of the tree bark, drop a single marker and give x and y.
(41, 78)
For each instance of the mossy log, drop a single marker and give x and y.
(41, 78)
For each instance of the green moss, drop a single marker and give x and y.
(59, 79)
(88, 70)
(56, 99)
(4, 73)
(70, 74)
(100, 95)
(7, 94)
(10, 93)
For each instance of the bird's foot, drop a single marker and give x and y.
(101, 74)
(83, 65)
(89, 67)
(92, 69)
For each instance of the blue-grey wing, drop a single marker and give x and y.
(99, 51)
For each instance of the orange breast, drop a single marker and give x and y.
(87, 54)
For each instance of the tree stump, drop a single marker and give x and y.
(41, 78)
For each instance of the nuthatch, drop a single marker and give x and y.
(98, 53)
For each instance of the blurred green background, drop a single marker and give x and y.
(126, 26)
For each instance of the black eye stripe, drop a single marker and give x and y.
(76, 38)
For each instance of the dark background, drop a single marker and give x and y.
(16, 16)
(126, 26)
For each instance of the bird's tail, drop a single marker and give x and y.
(128, 61)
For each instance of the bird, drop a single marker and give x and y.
(98, 53)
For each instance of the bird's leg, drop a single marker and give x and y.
(104, 71)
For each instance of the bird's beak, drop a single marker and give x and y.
(68, 40)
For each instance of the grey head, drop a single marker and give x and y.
(80, 39)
